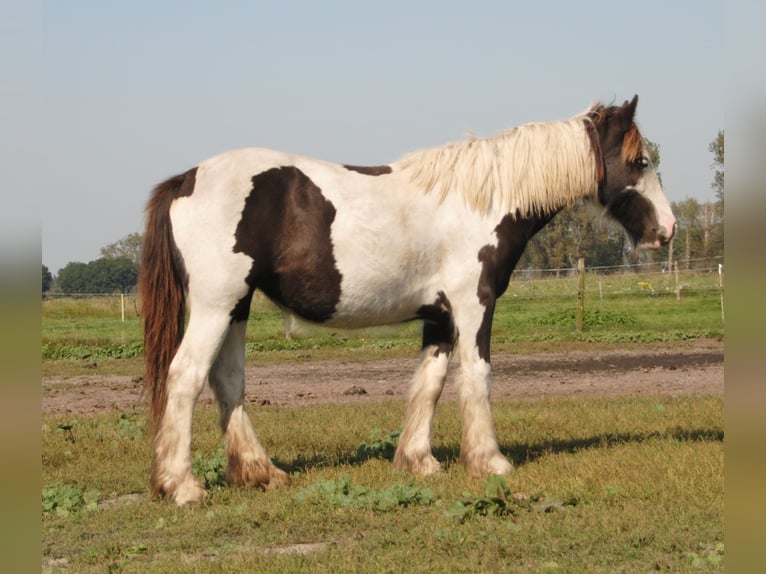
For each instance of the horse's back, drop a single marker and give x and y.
(335, 244)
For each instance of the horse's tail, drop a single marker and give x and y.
(162, 283)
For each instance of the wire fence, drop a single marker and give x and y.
(687, 266)
(685, 279)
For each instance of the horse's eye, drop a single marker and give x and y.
(642, 162)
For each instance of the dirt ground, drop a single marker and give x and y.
(697, 369)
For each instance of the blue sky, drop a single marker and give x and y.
(133, 92)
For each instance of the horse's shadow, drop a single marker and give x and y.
(524, 453)
(519, 453)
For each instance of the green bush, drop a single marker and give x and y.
(66, 499)
(342, 492)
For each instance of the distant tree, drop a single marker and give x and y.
(553, 247)
(47, 280)
(119, 274)
(688, 242)
(574, 232)
(716, 229)
(716, 147)
(104, 275)
(129, 246)
(73, 278)
(714, 237)
(609, 247)
(653, 149)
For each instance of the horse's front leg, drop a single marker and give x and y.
(479, 451)
(413, 452)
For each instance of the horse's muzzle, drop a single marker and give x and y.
(664, 236)
(656, 238)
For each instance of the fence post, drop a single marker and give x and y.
(580, 294)
(600, 289)
(678, 282)
(720, 286)
(122, 306)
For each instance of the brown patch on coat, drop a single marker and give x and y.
(438, 325)
(370, 170)
(286, 229)
(636, 214)
(498, 262)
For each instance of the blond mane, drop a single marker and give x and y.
(532, 169)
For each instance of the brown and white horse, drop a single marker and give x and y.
(433, 236)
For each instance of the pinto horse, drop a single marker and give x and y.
(433, 236)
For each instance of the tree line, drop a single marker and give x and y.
(573, 233)
(116, 271)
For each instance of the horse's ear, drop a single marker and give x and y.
(627, 111)
(632, 106)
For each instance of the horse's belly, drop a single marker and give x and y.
(383, 303)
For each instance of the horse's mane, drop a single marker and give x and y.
(533, 168)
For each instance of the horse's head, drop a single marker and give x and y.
(629, 189)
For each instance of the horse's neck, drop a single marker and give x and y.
(534, 169)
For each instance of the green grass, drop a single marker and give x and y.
(633, 484)
(533, 314)
(624, 308)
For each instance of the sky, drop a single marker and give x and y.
(126, 94)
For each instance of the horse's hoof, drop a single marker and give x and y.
(499, 465)
(421, 466)
(190, 491)
(278, 477)
(255, 473)
(496, 464)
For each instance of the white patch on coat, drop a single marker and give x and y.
(394, 246)
(650, 187)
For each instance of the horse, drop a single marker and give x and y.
(433, 237)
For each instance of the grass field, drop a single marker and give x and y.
(632, 484)
(533, 314)
(625, 485)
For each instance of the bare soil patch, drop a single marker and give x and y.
(599, 373)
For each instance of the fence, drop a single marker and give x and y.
(701, 276)
(700, 265)
(122, 304)
(662, 281)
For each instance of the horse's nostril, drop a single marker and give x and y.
(664, 236)
(673, 229)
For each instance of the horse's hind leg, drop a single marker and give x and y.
(413, 452)
(171, 470)
(248, 463)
